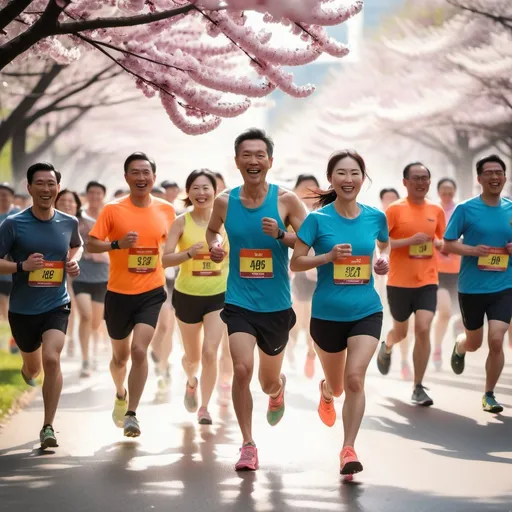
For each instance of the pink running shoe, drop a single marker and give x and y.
(248, 460)
(349, 463)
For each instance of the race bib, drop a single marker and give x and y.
(203, 266)
(496, 261)
(421, 251)
(352, 270)
(51, 276)
(142, 260)
(256, 264)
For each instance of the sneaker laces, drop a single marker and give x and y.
(422, 387)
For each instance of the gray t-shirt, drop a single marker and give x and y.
(91, 271)
(24, 234)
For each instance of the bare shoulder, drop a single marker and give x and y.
(289, 199)
(222, 199)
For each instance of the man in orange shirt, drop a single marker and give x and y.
(416, 227)
(132, 230)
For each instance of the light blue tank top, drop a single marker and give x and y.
(258, 264)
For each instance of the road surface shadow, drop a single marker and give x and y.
(459, 436)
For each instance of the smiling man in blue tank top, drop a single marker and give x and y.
(258, 301)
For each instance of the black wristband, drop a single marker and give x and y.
(115, 245)
(19, 266)
(280, 234)
(189, 255)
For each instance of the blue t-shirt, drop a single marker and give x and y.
(481, 224)
(322, 230)
(23, 235)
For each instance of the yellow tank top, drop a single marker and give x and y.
(199, 276)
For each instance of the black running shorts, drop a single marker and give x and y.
(191, 309)
(271, 330)
(475, 306)
(332, 336)
(97, 291)
(124, 312)
(28, 330)
(403, 302)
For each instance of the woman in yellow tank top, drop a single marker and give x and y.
(198, 296)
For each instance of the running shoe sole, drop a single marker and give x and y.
(50, 442)
(425, 403)
(247, 467)
(351, 468)
(132, 432)
(205, 421)
(383, 359)
(496, 409)
(457, 362)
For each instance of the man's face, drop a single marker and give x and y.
(171, 194)
(418, 182)
(95, 197)
(44, 189)
(387, 199)
(447, 192)
(6, 200)
(492, 178)
(253, 161)
(140, 178)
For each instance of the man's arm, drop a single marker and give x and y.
(297, 212)
(217, 219)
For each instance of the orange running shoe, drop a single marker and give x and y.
(326, 409)
(349, 463)
(248, 460)
(309, 367)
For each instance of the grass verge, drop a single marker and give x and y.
(12, 385)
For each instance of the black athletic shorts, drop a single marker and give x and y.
(474, 307)
(332, 336)
(403, 302)
(97, 291)
(124, 312)
(271, 330)
(28, 330)
(5, 288)
(302, 287)
(450, 283)
(191, 309)
(169, 288)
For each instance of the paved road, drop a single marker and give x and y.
(452, 457)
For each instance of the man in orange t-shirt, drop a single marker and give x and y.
(416, 227)
(133, 230)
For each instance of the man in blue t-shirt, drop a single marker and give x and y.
(485, 279)
(44, 246)
(7, 209)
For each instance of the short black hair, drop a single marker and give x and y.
(412, 164)
(193, 177)
(93, 183)
(446, 180)
(491, 158)
(169, 184)
(157, 190)
(306, 177)
(139, 155)
(6, 186)
(42, 166)
(255, 134)
(76, 197)
(387, 191)
(219, 176)
(120, 191)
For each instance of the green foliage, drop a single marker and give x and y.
(5, 163)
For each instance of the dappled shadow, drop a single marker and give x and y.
(459, 436)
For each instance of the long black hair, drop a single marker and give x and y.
(326, 197)
(77, 200)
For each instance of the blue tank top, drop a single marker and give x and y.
(258, 264)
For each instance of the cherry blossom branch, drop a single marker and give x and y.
(72, 27)
(504, 20)
(11, 11)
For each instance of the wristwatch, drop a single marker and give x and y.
(115, 245)
(280, 234)
(19, 266)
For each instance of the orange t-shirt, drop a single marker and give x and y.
(414, 266)
(448, 263)
(137, 270)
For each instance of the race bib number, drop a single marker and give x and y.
(352, 270)
(203, 266)
(256, 264)
(142, 260)
(496, 261)
(51, 276)
(421, 251)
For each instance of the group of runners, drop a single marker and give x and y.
(223, 265)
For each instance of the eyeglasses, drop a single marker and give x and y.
(488, 174)
(425, 179)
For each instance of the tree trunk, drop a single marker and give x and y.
(19, 155)
(465, 175)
